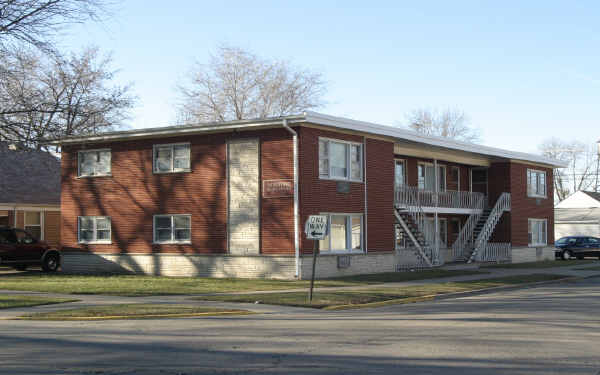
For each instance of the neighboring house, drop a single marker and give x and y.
(578, 215)
(231, 199)
(30, 192)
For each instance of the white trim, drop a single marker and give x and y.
(318, 119)
(535, 195)
(348, 160)
(449, 210)
(172, 147)
(40, 225)
(11, 207)
(396, 132)
(79, 175)
(95, 231)
(348, 233)
(172, 241)
(537, 244)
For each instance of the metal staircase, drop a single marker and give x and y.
(463, 245)
(483, 232)
(411, 218)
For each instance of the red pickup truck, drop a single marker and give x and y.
(19, 249)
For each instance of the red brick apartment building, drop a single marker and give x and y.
(230, 199)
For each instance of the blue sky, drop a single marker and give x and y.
(522, 71)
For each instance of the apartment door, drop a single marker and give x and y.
(399, 174)
(479, 180)
(430, 231)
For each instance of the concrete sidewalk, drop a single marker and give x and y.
(87, 300)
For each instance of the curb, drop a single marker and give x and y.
(441, 297)
(130, 317)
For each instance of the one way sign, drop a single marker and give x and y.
(316, 227)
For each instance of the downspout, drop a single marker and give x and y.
(296, 214)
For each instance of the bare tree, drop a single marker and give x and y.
(451, 123)
(37, 22)
(582, 161)
(53, 97)
(237, 84)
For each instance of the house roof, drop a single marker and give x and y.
(593, 194)
(317, 119)
(28, 177)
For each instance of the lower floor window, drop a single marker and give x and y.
(172, 228)
(538, 232)
(345, 233)
(33, 223)
(94, 229)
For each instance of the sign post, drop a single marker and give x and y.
(316, 228)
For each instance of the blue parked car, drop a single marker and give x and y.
(577, 247)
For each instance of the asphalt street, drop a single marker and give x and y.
(552, 329)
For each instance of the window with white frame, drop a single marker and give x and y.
(94, 229)
(536, 183)
(340, 160)
(172, 228)
(538, 234)
(94, 163)
(172, 158)
(33, 223)
(345, 233)
(426, 177)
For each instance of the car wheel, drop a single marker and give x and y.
(566, 255)
(51, 263)
(21, 267)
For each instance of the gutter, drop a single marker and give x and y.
(296, 214)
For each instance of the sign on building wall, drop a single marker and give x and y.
(278, 188)
(243, 224)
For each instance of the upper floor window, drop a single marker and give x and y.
(94, 229)
(537, 233)
(536, 183)
(427, 177)
(340, 160)
(94, 163)
(172, 158)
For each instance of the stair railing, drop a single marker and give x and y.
(464, 241)
(412, 205)
(502, 204)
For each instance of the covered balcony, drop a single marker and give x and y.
(460, 202)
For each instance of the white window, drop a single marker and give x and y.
(426, 177)
(33, 224)
(172, 158)
(536, 183)
(399, 174)
(173, 229)
(94, 229)
(538, 234)
(94, 163)
(345, 233)
(340, 160)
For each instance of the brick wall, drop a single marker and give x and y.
(134, 194)
(412, 172)
(524, 207)
(317, 195)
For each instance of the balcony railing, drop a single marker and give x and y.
(406, 195)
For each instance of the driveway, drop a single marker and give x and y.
(549, 329)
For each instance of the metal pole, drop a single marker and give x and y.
(312, 278)
(597, 166)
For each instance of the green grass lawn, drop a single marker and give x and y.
(542, 264)
(129, 285)
(8, 301)
(132, 311)
(373, 297)
(588, 268)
